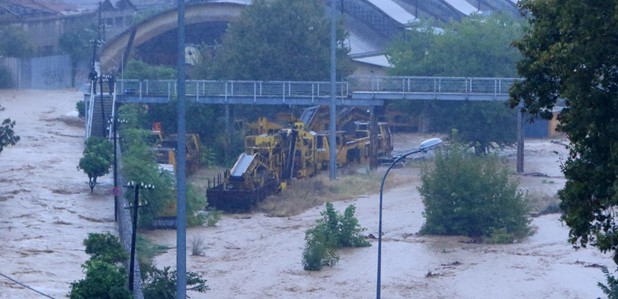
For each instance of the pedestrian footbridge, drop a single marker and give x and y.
(356, 91)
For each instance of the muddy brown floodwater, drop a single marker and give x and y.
(46, 210)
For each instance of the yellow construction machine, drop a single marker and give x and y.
(275, 156)
(164, 147)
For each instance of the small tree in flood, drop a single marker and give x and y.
(97, 159)
(7, 135)
(466, 194)
(105, 275)
(332, 231)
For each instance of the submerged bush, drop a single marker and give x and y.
(332, 231)
(466, 194)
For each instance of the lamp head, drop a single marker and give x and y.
(429, 143)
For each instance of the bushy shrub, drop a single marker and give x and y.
(80, 106)
(161, 284)
(471, 195)
(319, 249)
(105, 275)
(105, 247)
(103, 280)
(212, 217)
(332, 231)
(137, 69)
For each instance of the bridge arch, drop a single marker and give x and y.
(119, 49)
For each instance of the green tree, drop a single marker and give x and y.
(97, 159)
(137, 69)
(474, 196)
(15, 42)
(477, 46)
(139, 165)
(105, 275)
(280, 40)
(570, 53)
(105, 247)
(78, 44)
(161, 284)
(7, 135)
(482, 125)
(103, 280)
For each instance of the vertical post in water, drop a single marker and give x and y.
(333, 107)
(520, 139)
(181, 192)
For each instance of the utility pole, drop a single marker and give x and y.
(181, 187)
(135, 207)
(333, 107)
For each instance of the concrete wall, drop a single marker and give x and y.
(50, 72)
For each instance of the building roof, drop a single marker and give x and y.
(18, 10)
(125, 4)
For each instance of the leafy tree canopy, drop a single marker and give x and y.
(97, 159)
(137, 69)
(103, 280)
(477, 46)
(105, 247)
(469, 195)
(105, 275)
(15, 42)
(78, 44)
(162, 283)
(280, 40)
(569, 52)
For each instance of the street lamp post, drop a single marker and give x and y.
(135, 207)
(425, 146)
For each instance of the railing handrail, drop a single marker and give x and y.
(485, 86)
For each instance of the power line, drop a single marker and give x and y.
(25, 286)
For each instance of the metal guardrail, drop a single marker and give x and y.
(229, 89)
(304, 92)
(479, 85)
(427, 88)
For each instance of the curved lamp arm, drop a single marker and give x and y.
(425, 146)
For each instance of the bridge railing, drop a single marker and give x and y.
(245, 89)
(437, 85)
